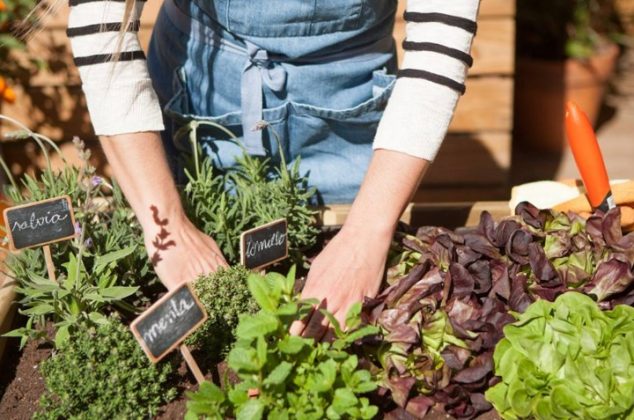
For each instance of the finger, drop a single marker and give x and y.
(317, 324)
(297, 327)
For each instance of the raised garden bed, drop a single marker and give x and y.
(430, 344)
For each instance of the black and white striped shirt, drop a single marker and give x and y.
(430, 81)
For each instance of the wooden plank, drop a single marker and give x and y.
(497, 8)
(7, 306)
(486, 106)
(453, 194)
(472, 159)
(493, 47)
(450, 215)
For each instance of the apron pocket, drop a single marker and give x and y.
(335, 145)
(183, 109)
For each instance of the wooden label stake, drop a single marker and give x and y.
(191, 362)
(49, 263)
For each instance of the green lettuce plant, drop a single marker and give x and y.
(102, 373)
(566, 359)
(284, 376)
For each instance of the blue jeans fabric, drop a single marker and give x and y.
(336, 58)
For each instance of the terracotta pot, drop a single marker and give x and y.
(542, 88)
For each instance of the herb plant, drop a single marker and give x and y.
(566, 359)
(98, 269)
(225, 295)
(103, 373)
(284, 376)
(224, 202)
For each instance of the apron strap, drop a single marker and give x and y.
(258, 69)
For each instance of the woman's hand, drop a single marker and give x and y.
(180, 252)
(349, 268)
(352, 264)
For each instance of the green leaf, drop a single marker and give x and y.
(41, 309)
(289, 284)
(252, 410)
(261, 294)
(344, 399)
(61, 336)
(292, 344)
(279, 374)
(241, 359)
(117, 292)
(353, 317)
(258, 325)
(101, 261)
(333, 321)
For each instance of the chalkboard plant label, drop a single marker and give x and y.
(40, 223)
(165, 324)
(264, 244)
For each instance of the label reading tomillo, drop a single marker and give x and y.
(264, 244)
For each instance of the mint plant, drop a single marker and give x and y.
(284, 376)
(103, 374)
(225, 296)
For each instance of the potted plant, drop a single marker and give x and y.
(566, 50)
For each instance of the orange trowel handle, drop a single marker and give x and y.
(587, 153)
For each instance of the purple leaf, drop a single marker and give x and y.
(466, 255)
(542, 268)
(504, 231)
(481, 245)
(611, 277)
(419, 406)
(401, 388)
(530, 215)
(481, 272)
(519, 299)
(394, 292)
(462, 282)
(479, 368)
(517, 246)
(403, 334)
(501, 282)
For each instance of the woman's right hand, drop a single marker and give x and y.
(177, 249)
(180, 252)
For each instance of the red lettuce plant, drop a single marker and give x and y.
(450, 294)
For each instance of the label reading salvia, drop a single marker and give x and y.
(40, 223)
(264, 244)
(166, 323)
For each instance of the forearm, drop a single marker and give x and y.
(387, 188)
(139, 165)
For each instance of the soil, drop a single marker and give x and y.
(20, 382)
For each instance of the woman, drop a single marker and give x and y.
(318, 71)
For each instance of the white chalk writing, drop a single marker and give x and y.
(176, 311)
(254, 246)
(33, 222)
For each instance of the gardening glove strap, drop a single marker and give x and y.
(258, 69)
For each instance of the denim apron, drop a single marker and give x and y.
(318, 72)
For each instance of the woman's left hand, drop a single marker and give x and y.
(349, 268)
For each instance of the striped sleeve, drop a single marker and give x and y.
(431, 79)
(118, 89)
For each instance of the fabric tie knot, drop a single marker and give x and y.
(258, 69)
